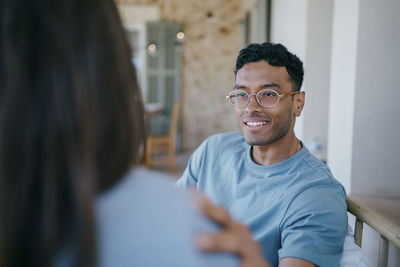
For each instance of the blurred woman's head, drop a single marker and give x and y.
(71, 124)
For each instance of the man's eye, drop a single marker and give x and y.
(241, 95)
(267, 94)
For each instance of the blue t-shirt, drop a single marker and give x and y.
(146, 221)
(295, 208)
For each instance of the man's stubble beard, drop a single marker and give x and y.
(282, 131)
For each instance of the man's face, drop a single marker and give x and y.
(259, 125)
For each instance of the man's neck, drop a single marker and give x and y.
(275, 152)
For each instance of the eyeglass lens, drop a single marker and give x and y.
(266, 98)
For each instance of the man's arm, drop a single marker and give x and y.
(236, 238)
(314, 226)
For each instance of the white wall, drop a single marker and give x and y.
(342, 89)
(376, 142)
(289, 25)
(133, 14)
(258, 20)
(364, 126)
(317, 76)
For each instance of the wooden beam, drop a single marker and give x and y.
(374, 211)
(358, 229)
(383, 252)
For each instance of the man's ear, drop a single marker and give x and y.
(299, 101)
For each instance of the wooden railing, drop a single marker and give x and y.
(381, 214)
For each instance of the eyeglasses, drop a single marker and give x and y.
(266, 98)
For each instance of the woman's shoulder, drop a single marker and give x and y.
(146, 221)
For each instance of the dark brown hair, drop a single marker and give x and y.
(71, 125)
(275, 55)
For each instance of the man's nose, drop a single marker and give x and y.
(253, 104)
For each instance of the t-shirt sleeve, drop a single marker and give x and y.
(189, 176)
(191, 173)
(314, 226)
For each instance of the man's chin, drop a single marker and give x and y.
(256, 139)
(255, 142)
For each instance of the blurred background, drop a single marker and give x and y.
(185, 52)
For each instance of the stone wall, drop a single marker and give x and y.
(213, 38)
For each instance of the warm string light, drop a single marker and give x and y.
(152, 47)
(180, 35)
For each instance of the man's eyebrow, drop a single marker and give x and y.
(238, 86)
(267, 85)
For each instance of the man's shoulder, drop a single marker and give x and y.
(314, 181)
(314, 172)
(310, 178)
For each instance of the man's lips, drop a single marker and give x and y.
(255, 121)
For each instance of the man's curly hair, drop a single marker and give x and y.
(275, 55)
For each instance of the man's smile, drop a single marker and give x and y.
(255, 123)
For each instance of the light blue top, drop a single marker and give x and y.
(295, 208)
(145, 221)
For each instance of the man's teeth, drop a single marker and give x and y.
(256, 123)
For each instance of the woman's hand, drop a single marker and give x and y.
(233, 237)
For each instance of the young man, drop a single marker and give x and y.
(264, 175)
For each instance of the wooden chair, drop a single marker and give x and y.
(159, 144)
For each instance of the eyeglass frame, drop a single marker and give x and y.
(280, 96)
